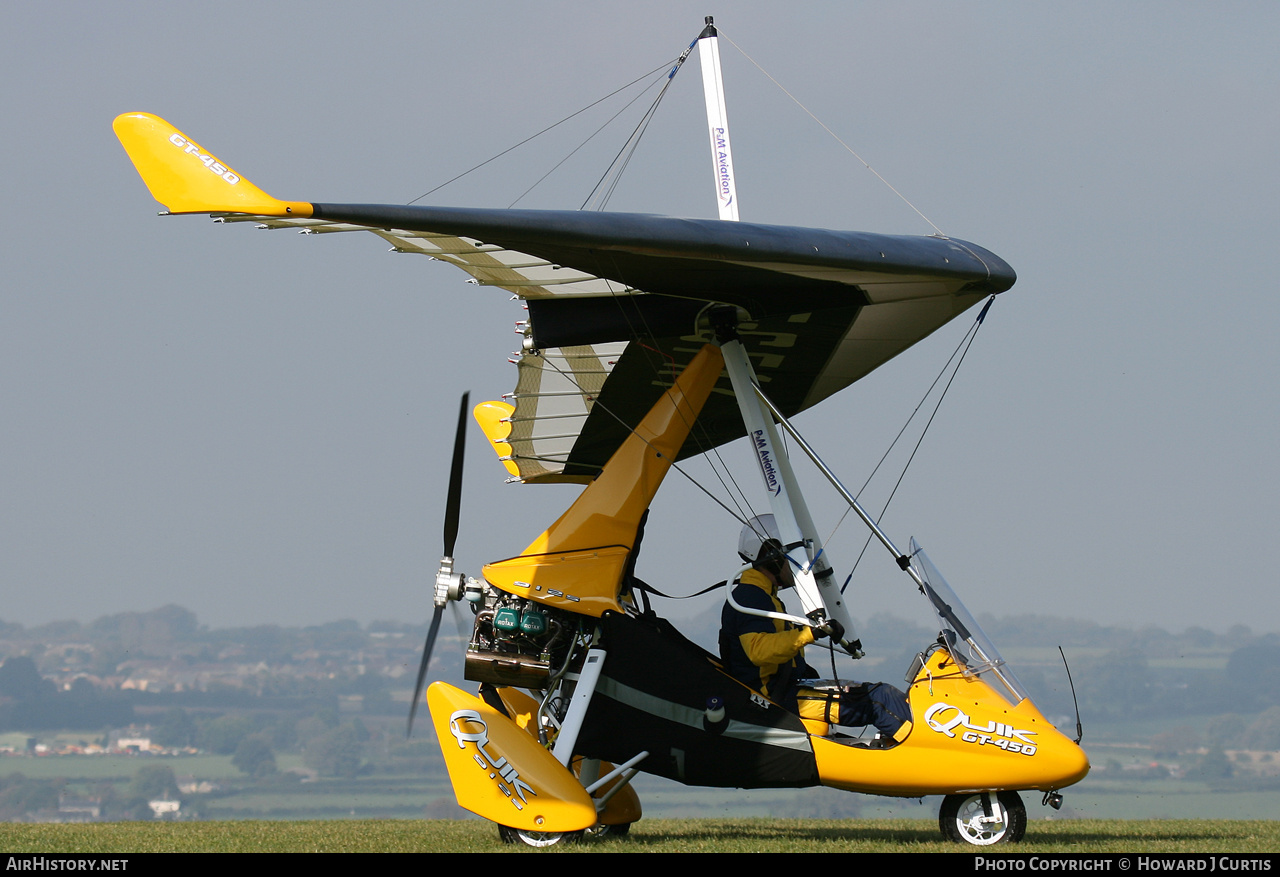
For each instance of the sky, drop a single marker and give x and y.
(257, 425)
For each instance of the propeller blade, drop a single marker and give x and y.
(453, 501)
(461, 622)
(422, 669)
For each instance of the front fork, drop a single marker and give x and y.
(571, 727)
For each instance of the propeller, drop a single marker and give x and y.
(448, 585)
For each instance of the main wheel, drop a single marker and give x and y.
(537, 838)
(600, 831)
(963, 819)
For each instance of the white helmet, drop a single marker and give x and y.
(755, 533)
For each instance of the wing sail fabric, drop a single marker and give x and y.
(555, 392)
(614, 301)
(490, 265)
(555, 388)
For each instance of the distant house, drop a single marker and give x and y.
(189, 785)
(71, 809)
(164, 808)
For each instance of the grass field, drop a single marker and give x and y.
(650, 836)
(420, 793)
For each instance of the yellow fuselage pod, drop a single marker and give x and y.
(577, 564)
(623, 808)
(965, 738)
(500, 772)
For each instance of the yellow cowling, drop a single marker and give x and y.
(964, 738)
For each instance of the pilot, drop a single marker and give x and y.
(767, 654)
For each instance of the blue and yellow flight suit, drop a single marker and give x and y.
(767, 654)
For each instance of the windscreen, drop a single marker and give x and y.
(970, 647)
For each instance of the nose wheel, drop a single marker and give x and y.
(537, 838)
(984, 819)
(599, 831)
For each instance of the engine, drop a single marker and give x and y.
(518, 642)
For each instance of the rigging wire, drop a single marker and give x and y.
(630, 429)
(970, 336)
(632, 142)
(616, 169)
(629, 149)
(847, 147)
(610, 179)
(608, 122)
(740, 499)
(635, 143)
(539, 134)
(721, 471)
(620, 162)
(644, 330)
(893, 444)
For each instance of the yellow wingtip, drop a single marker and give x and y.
(187, 178)
(494, 420)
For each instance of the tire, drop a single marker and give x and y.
(961, 819)
(600, 831)
(537, 838)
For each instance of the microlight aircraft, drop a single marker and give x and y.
(649, 340)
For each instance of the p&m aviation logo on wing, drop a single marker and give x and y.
(765, 455)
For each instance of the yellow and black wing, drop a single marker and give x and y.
(615, 300)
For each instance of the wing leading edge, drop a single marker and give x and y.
(615, 299)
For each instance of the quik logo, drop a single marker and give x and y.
(499, 769)
(945, 718)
